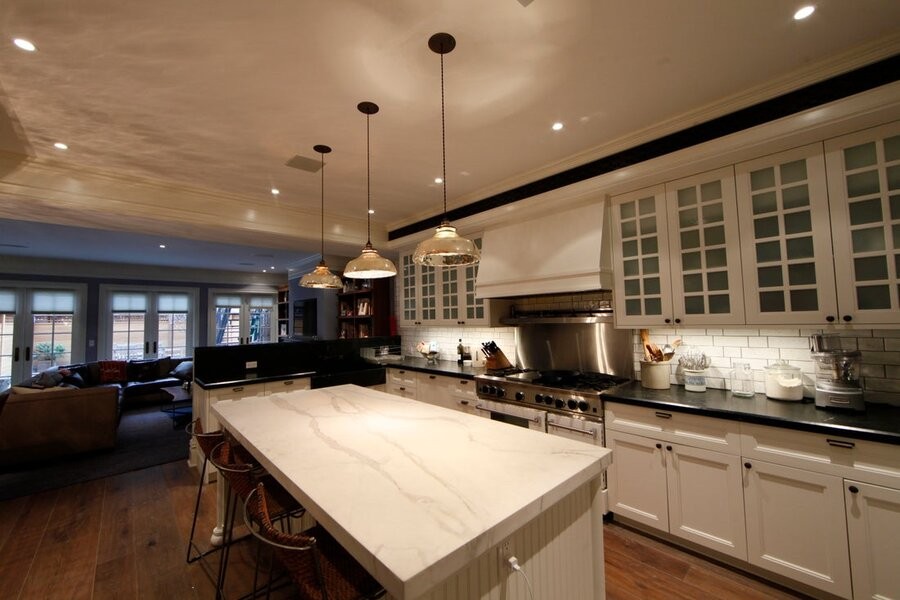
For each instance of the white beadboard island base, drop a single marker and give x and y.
(423, 497)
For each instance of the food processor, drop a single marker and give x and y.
(837, 374)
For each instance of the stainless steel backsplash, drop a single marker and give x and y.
(594, 347)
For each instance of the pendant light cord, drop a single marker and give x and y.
(322, 155)
(368, 189)
(443, 140)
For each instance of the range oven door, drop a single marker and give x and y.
(520, 416)
(584, 430)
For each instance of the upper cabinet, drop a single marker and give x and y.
(864, 193)
(672, 256)
(444, 296)
(810, 236)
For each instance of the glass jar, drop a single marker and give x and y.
(783, 381)
(742, 380)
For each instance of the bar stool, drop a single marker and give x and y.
(206, 442)
(320, 568)
(238, 468)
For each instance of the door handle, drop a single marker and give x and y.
(27, 353)
(154, 347)
(146, 347)
(16, 354)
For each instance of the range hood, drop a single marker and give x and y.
(564, 251)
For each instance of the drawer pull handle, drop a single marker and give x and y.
(840, 443)
(463, 381)
(402, 389)
(238, 389)
(853, 489)
(432, 377)
(659, 446)
(289, 382)
(747, 465)
(669, 448)
(464, 402)
(663, 415)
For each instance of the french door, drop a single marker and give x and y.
(40, 327)
(242, 318)
(143, 323)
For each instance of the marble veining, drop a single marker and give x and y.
(413, 491)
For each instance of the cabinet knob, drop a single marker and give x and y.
(659, 445)
(668, 320)
(847, 318)
(747, 465)
(432, 377)
(830, 318)
(669, 448)
(677, 321)
(853, 489)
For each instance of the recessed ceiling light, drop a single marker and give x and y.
(24, 44)
(265, 271)
(275, 191)
(557, 126)
(60, 146)
(371, 211)
(273, 268)
(804, 12)
(162, 245)
(438, 180)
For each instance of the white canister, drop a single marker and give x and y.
(783, 381)
(655, 375)
(694, 380)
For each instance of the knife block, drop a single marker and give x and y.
(497, 360)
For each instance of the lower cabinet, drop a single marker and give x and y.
(796, 526)
(873, 530)
(692, 493)
(401, 382)
(456, 393)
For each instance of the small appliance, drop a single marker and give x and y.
(837, 374)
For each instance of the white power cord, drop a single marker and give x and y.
(514, 565)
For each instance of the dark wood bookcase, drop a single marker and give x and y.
(364, 312)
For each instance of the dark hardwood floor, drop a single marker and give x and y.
(125, 537)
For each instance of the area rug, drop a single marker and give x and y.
(146, 437)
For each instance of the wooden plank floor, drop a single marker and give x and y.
(125, 537)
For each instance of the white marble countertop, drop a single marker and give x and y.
(414, 491)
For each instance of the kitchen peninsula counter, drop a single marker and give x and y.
(422, 495)
(879, 422)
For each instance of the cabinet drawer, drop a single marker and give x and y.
(692, 430)
(434, 381)
(862, 460)
(402, 377)
(464, 388)
(287, 385)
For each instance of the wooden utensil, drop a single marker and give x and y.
(645, 343)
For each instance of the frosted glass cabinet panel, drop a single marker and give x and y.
(641, 258)
(864, 191)
(786, 238)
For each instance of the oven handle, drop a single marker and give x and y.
(535, 419)
(590, 432)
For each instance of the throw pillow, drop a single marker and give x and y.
(51, 377)
(113, 371)
(164, 366)
(142, 370)
(74, 380)
(184, 371)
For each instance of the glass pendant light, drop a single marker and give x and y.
(446, 248)
(369, 264)
(321, 277)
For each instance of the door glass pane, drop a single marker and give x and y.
(771, 302)
(128, 335)
(793, 172)
(868, 240)
(632, 287)
(804, 300)
(651, 265)
(873, 297)
(687, 218)
(762, 179)
(690, 261)
(713, 236)
(799, 248)
(896, 229)
(647, 206)
(713, 213)
(649, 245)
(765, 227)
(629, 248)
(648, 225)
(690, 239)
(859, 156)
(6, 349)
(651, 285)
(711, 191)
(764, 203)
(799, 222)
(694, 305)
(630, 267)
(260, 325)
(228, 325)
(687, 197)
(795, 197)
(892, 148)
(693, 282)
(871, 268)
(716, 258)
(52, 341)
(768, 252)
(895, 207)
(893, 177)
(862, 184)
(769, 277)
(717, 280)
(719, 304)
(802, 274)
(626, 210)
(633, 307)
(652, 306)
(172, 328)
(865, 211)
(629, 229)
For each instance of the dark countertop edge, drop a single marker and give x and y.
(441, 367)
(758, 419)
(252, 380)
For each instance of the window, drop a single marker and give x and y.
(144, 323)
(242, 318)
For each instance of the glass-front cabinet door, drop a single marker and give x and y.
(864, 191)
(640, 258)
(705, 260)
(786, 238)
(409, 291)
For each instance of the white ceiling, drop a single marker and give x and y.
(172, 109)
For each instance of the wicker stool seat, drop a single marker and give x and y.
(319, 567)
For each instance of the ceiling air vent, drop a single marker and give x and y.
(310, 165)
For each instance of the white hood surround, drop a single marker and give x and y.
(562, 252)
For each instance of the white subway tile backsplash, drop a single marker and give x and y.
(789, 342)
(739, 341)
(792, 354)
(892, 344)
(876, 344)
(768, 353)
(780, 332)
(758, 342)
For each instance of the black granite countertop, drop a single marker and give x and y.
(441, 367)
(249, 379)
(879, 422)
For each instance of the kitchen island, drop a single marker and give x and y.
(430, 501)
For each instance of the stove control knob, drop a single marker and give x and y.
(500, 392)
(584, 406)
(572, 404)
(486, 389)
(520, 396)
(539, 398)
(560, 403)
(491, 390)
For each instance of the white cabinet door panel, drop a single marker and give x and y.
(873, 528)
(637, 479)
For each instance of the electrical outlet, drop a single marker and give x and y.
(250, 364)
(504, 550)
